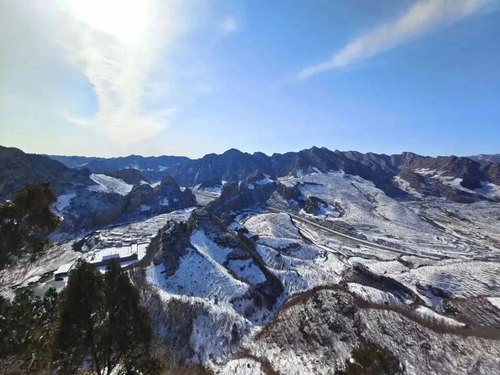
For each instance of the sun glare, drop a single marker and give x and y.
(126, 20)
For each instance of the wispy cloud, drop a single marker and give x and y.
(118, 45)
(100, 57)
(422, 17)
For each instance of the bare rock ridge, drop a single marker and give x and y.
(232, 251)
(234, 165)
(152, 167)
(495, 158)
(119, 187)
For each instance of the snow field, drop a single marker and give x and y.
(109, 184)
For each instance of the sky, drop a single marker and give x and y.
(191, 77)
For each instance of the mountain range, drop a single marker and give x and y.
(234, 165)
(290, 260)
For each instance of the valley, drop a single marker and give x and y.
(283, 270)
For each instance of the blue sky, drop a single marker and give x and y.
(111, 78)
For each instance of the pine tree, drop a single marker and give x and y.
(128, 328)
(102, 322)
(369, 358)
(81, 314)
(26, 327)
(26, 222)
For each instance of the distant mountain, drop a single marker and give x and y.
(452, 177)
(154, 168)
(495, 158)
(459, 179)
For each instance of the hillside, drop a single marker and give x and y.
(347, 247)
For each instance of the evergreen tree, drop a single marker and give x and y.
(370, 358)
(26, 327)
(128, 328)
(81, 314)
(102, 323)
(26, 222)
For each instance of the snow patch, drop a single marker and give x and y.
(428, 313)
(495, 301)
(63, 201)
(107, 184)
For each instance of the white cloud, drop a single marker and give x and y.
(229, 25)
(423, 16)
(118, 45)
(113, 48)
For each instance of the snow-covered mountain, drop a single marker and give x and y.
(495, 158)
(452, 177)
(284, 264)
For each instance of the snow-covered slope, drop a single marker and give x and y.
(290, 283)
(109, 184)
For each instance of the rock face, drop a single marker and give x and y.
(289, 192)
(242, 195)
(165, 197)
(88, 209)
(314, 205)
(92, 210)
(139, 195)
(174, 245)
(130, 175)
(205, 239)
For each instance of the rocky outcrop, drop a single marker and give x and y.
(139, 195)
(130, 175)
(175, 243)
(165, 197)
(241, 195)
(314, 205)
(168, 196)
(92, 210)
(289, 192)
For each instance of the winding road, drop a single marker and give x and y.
(352, 238)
